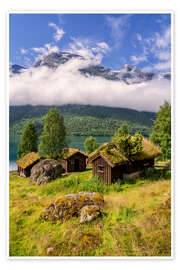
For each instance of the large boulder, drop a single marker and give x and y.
(68, 206)
(45, 171)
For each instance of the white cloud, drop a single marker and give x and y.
(138, 59)
(139, 37)
(59, 31)
(160, 66)
(28, 61)
(43, 51)
(23, 51)
(164, 55)
(141, 58)
(157, 48)
(66, 85)
(163, 41)
(118, 27)
(89, 49)
(101, 47)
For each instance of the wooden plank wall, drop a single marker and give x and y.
(106, 175)
(71, 163)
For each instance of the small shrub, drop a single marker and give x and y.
(126, 214)
(93, 185)
(116, 187)
(156, 174)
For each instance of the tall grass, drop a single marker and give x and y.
(135, 220)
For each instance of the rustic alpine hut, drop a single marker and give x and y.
(73, 160)
(110, 165)
(26, 163)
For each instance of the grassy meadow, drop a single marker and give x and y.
(136, 220)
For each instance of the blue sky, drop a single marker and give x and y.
(143, 40)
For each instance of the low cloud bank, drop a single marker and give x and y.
(66, 85)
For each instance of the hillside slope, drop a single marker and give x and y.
(136, 220)
(84, 119)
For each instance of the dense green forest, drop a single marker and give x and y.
(84, 120)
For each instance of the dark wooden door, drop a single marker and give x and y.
(76, 165)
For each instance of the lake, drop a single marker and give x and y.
(74, 142)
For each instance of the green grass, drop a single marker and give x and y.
(134, 222)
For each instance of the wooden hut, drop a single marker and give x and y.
(110, 165)
(26, 163)
(73, 160)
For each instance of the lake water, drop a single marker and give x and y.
(75, 142)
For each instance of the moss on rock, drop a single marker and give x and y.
(89, 213)
(68, 206)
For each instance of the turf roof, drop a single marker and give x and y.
(27, 160)
(69, 152)
(110, 153)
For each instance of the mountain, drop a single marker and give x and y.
(16, 69)
(53, 60)
(128, 73)
(84, 120)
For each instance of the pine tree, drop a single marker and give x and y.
(90, 144)
(161, 134)
(53, 137)
(29, 140)
(122, 131)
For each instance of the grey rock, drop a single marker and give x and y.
(89, 213)
(50, 250)
(86, 205)
(45, 171)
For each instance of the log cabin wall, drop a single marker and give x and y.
(24, 172)
(76, 163)
(117, 172)
(130, 167)
(139, 165)
(102, 169)
(27, 171)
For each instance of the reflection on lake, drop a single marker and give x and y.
(74, 142)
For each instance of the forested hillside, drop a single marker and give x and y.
(84, 119)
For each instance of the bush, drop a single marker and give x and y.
(93, 185)
(156, 174)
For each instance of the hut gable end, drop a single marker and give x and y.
(26, 163)
(73, 160)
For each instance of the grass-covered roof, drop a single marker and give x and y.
(110, 153)
(69, 152)
(27, 160)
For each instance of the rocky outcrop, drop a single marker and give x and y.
(45, 171)
(87, 205)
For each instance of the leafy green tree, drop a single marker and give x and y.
(90, 144)
(122, 131)
(161, 133)
(29, 140)
(128, 145)
(53, 137)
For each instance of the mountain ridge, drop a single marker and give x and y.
(128, 74)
